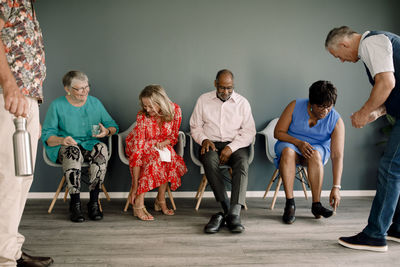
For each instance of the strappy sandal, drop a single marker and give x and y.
(162, 206)
(146, 216)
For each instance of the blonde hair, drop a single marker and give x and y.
(157, 96)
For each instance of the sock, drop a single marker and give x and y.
(316, 205)
(94, 195)
(290, 202)
(75, 198)
(235, 209)
(225, 206)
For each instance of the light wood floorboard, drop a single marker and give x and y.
(122, 240)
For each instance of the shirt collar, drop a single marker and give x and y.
(234, 97)
(359, 45)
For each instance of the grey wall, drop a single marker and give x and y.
(275, 48)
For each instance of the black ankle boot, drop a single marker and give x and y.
(94, 211)
(318, 210)
(76, 214)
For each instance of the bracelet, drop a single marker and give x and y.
(337, 186)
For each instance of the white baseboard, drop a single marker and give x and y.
(191, 194)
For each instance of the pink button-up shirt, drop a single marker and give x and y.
(229, 121)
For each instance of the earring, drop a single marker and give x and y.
(310, 108)
(68, 93)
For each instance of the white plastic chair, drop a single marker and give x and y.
(62, 182)
(270, 142)
(203, 183)
(179, 148)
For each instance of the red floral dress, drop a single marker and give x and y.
(141, 152)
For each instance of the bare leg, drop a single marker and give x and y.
(140, 210)
(287, 169)
(315, 175)
(160, 203)
(135, 172)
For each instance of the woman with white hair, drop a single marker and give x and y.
(68, 138)
(155, 133)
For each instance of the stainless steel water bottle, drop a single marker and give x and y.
(22, 148)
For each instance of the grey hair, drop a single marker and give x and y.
(74, 75)
(336, 34)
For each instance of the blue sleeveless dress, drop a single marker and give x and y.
(319, 136)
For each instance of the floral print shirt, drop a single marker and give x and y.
(23, 44)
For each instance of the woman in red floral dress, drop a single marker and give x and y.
(157, 128)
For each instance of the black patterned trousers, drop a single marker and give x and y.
(72, 157)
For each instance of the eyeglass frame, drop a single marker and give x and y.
(87, 87)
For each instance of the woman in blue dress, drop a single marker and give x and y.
(310, 131)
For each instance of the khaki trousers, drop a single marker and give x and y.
(13, 190)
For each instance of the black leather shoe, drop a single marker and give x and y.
(288, 214)
(76, 214)
(318, 210)
(31, 261)
(233, 223)
(215, 223)
(94, 211)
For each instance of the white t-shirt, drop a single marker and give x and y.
(377, 53)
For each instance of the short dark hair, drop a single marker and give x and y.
(222, 72)
(322, 93)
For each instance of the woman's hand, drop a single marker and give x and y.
(334, 198)
(69, 141)
(103, 131)
(161, 145)
(306, 149)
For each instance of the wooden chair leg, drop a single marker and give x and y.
(202, 189)
(276, 193)
(171, 198)
(105, 192)
(245, 206)
(60, 186)
(199, 189)
(270, 183)
(100, 207)
(127, 200)
(303, 182)
(66, 193)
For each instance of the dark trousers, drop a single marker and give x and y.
(239, 162)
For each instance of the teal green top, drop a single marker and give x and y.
(63, 119)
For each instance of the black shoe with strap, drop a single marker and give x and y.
(94, 211)
(32, 261)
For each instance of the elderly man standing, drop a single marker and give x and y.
(22, 72)
(380, 53)
(223, 125)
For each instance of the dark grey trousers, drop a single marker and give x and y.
(240, 167)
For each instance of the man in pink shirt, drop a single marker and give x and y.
(223, 125)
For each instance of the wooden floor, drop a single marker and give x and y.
(122, 240)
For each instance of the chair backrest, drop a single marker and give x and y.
(85, 164)
(197, 161)
(270, 140)
(179, 147)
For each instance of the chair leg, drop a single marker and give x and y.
(127, 200)
(100, 207)
(199, 189)
(203, 185)
(105, 192)
(270, 183)
(245, 206)
(60, 186)
(276, 193)
(66, 194)
(303, 182)
(171, 198)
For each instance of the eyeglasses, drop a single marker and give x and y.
(81, 89)
(225, 88)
